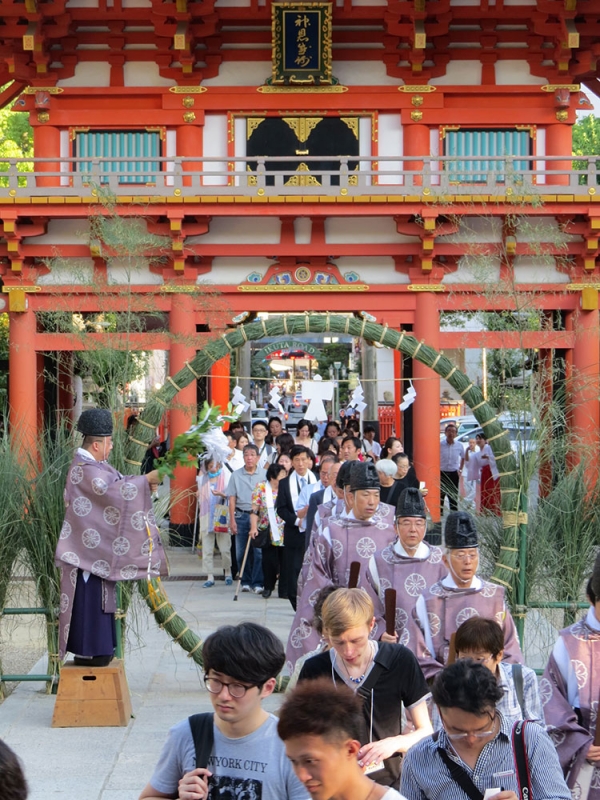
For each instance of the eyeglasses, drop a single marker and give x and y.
(236, 690)
(457, 737)
(465, 556)
(408, 523)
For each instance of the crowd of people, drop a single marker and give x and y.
(407, 677)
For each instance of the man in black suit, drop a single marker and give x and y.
(327, 475)
(287, 507)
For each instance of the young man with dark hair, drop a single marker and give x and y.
(247, 757)
(482, 640)
(474, 750)
(12, 779)
(266, 452)
(350, 448)
(320, 726)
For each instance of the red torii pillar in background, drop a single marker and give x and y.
(219, 383)
(585, 385)
(426, 413)
(182, 327)
(22, 391)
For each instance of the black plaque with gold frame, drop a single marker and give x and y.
(301, 43)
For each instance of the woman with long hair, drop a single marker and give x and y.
(392, 446)
(305, 435)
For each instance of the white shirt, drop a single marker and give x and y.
(451, 456)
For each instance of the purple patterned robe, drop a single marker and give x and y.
(447, 608)
(104, 532)
(410, 577)
(571, 736)
(341, 541)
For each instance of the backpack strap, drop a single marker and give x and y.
(521, 759)
(517, 676)
(201, 726)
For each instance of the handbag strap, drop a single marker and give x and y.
(458, 774)
(521, 759)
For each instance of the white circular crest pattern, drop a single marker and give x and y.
(128, 490)
(489, 589)
(91, 538)
(500, 616)
(76, 475)
(404, 637)
(73, 577)
(366, 547)
(401, 618)
(435, 623)
(300, 633)
(129, 572)
(337, 547)
(437, 589)
(546, 690)
(436, 555)
(579, 631)
(101, 568)
(415, 584)
(82, 506)
(112, 515)
(145, 548)
(100, 486)
(137, 521)
(70, 558)
(384, 584)
(576, 791)
(581, 672)
(595, 784)
(120, 546)
(64, 602)
(465, 614)
(155, 568)
(387, 554)
(557, 736)
(66, 530)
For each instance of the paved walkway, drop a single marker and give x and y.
(165, 685)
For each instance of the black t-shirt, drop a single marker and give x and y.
(399, 682)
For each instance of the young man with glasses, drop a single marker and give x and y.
(473, 754)
(459, 596)
(409, 566)
(247, 758)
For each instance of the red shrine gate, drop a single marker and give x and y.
(161, 104)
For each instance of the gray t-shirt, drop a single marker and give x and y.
(254, 767)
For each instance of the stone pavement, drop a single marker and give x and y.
(165, 686)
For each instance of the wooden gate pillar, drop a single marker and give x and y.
(585, 390)
(219, 383)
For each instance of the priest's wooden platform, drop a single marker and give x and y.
(92, 697)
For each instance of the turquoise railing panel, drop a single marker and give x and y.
(485, 143)
(123, 148)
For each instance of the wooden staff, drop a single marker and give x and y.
(390, 611)
(354, 574)
(452, 650)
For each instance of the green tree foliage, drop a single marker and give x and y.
(16, 134)
(586, 136)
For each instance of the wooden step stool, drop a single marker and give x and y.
(92, 697)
